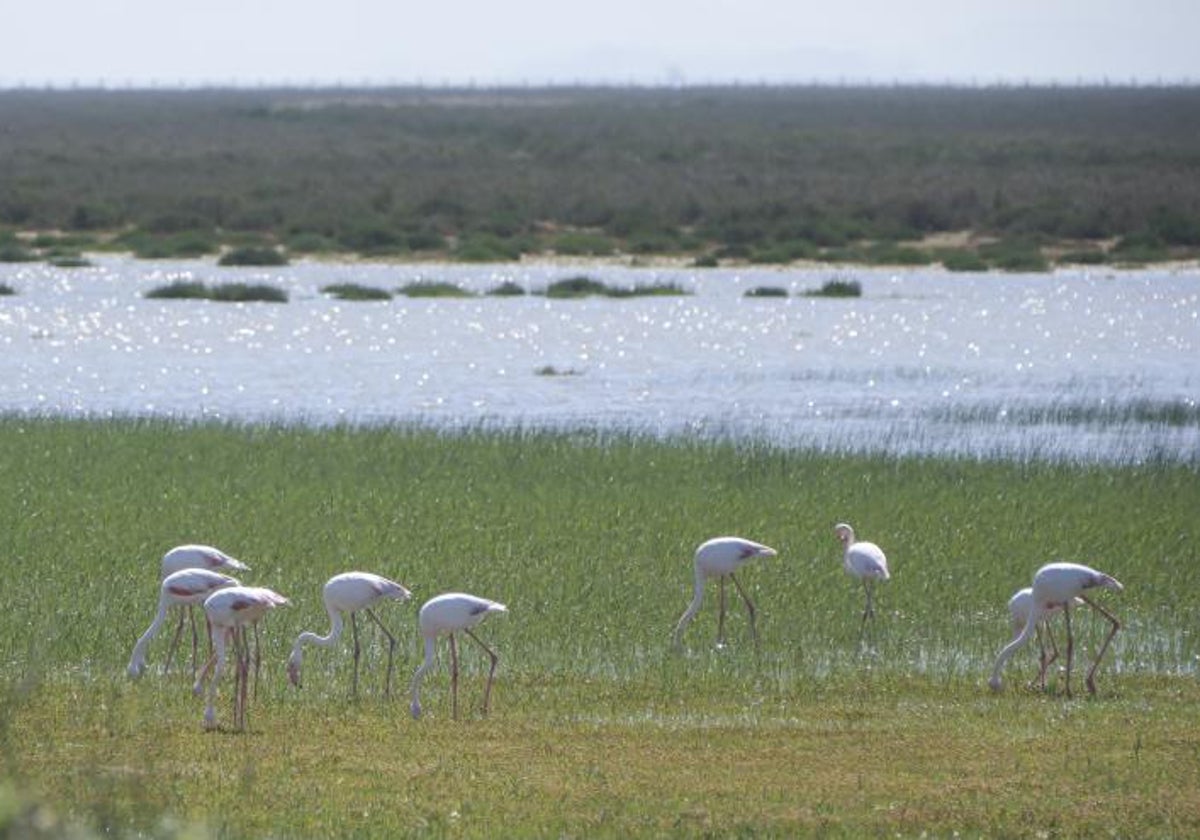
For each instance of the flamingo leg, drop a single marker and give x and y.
(245, 673)
(453, 678)
(354, 679)
(195, 639)
(218, 657)
(1070, 643)
(257, 656)
(387, 686)
(175, 644)
(1114, 626)
(721, 612)
(749, 607)
(487, 691)
(1050, 658)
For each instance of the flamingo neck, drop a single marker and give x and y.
(138, 660)
(1035, 615)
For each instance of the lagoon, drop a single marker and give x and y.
(1095, 365)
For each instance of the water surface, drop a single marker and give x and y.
(1084, 365)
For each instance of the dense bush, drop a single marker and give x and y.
(771, 174)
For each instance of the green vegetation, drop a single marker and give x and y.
(597, 727)
(837, 288)
(6, 289)
(582, 286)
(434, 289)
(766, 174)
(767, 292)
(355, 291)
(226, 292)
(507, 289)
(253, 256)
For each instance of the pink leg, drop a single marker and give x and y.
(1114, 626)
(453, 678)
(487, 691)
(1070, 644)
(721, 612)
(749, 607)
(175, 644)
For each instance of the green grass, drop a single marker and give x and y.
(355, 291)
(224, 292)
(598, 728)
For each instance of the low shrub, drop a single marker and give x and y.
(225, 292)
(507, 289)
(428, 288)
(837, 287)
(963, 261)
(253, 255)
(6, 289)
(575, 287)
(355, 291)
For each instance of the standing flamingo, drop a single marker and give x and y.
(1019, 606)
(349, 593)
(720, 558)
(229, 611)
(183, 588)
(1056, 586)
(447, 614)
(865, 561)
(194, 557)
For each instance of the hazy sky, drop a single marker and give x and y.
(249, 42)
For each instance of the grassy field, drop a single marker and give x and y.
(598, 728)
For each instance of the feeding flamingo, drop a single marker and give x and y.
(720, 558)
(865, 561)
(1056, 586)
(194, 557)
(447, 614)
(180, 589)
(349, 593)
(229, 611)
(1019, 606)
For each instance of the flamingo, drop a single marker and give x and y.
(1056, 586)
(866, 561)
(183, 588)
(349, 593)
(447, 614)
(1019, 606)
(194, 557)
(720, 558)
(229, 611)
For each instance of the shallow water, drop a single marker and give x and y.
(1094, 365)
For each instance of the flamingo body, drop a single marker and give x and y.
(720, 558)
(445, 615)
(183, 588)
(230, 611)
(1059, 586)
(863, 560)
(199, 557)
(346, 594)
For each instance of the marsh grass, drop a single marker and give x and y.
(355, 291)
(224, 292)
(598, 727)
(433, 289)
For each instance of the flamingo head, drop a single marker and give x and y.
(1107, 582)
(293, 670)
(844, 532)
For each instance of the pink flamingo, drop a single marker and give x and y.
(720, 558)
(447, 614)
(865, 561)
(349, 593)
(182, 588)
(194, 557)
(1019, 606)
(229, 611)
(1056, 586)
